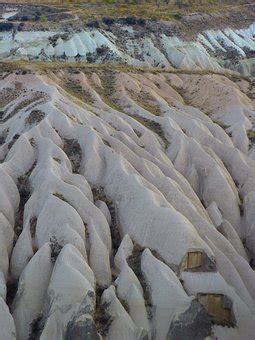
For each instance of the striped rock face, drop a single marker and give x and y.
(46, 33)
(213, 50)
(127, 204)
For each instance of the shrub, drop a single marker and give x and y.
(6, 26)
(130, 20)
(102, 50)
(43, 18)
(24, 18)
(93, 24)
(108, 21)
(20, 27)
(178, 16)
(141, 22)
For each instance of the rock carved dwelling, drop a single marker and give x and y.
(127, 191)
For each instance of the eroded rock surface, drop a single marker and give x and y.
(127, 207)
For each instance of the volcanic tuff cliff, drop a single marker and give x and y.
(211, 50)
(126, 207)
(137, 42)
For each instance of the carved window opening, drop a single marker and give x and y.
(219, 308)
(198, 261)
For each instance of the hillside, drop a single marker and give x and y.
(127, 180)
(182, 44)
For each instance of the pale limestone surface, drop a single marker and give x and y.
(102, 250)
(163, 50)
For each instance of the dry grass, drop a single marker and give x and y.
(94, 10)
(149, 9)
(251, 134)
(44, 67)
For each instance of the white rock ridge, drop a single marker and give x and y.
(211, 50)
(127, 206)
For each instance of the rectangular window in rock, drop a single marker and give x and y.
(193, 260)
(219, 308)
(197, 260)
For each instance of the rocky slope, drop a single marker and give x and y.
(128, 207)
(136, 42)
(212, 50)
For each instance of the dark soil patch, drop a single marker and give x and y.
(55, 248)
(35, 116)
(73, 151)
(134, 261)
(102, 319)
(12, 287)
(153, 126)
(36, 328)
(24, 191)
(99, 194)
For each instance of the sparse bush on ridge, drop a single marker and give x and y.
(178, 16)
(6, 26)
(43, 18)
